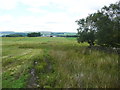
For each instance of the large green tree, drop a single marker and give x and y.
(104, 26)
(86, 33)
(107, 22)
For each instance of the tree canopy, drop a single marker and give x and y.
(102, 27)
(34, 34)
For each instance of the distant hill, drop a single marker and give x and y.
(7, 32)
(2, 33)
(23, 34)
(44, 33)
(11, 32)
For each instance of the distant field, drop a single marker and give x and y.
(56, 62)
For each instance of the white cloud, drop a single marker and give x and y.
(35, 3)
(74, 5)
(50, 21)
(36, 10)
(61, 22)
(8, 4)
(6, 18)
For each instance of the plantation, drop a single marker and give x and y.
(56, 62)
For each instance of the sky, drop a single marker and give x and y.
(46, 15)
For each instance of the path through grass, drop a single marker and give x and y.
(56, 62)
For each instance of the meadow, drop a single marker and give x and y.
(56, 62)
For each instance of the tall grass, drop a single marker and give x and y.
(88, 69)
(60, 63)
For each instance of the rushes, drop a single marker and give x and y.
(87, 69)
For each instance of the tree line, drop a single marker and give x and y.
(33, 34)
(102, 27)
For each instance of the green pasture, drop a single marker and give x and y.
(60, 63)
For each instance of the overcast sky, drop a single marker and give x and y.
(46, 15)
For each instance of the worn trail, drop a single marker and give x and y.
(32, 81)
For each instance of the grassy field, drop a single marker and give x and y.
(56, 62)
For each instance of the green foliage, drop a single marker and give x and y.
(85, 33)
(106, 25)
(10, 81)
(13, 35)
(34, 34)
